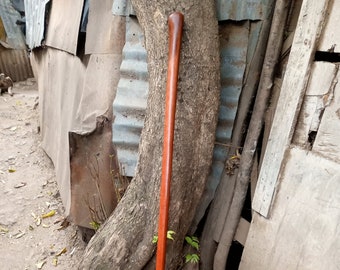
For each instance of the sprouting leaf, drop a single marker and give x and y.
(154, 239)
(169, 235)
(11, 170)
(49, 214)
(192, 258)
(95, 225)
(192, 241)
(194, 238)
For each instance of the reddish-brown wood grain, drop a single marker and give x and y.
(175, 36)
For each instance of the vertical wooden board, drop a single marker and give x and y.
(320, 83)
(330, 36)
(303, 230)
(321, 78)
(308, 120)
(327, 141)
(242, 231)
(298, 69)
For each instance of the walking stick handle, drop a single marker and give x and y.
(175, 37)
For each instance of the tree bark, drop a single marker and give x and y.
(125, 240)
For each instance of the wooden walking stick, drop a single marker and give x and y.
(175, 36)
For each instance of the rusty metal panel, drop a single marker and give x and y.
(9, 16)
(35, 22)
(63, 26)
(240, 10)
(130, 103)
(16, 64)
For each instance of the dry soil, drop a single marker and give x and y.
(28, 191)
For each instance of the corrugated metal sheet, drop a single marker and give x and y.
(130, 103)
(233, 46)
(233, 54)
(16, 64)
(35, 22)
(240, 10)
(9, 16)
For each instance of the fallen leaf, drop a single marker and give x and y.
(55, 261)
(73, 250)
(61, 251)
(39, 265)
(64, 224)
(3, 230)
(19, 235)
(30, 227)
(38, 221)
(46, 226)
(49, 214)
(22, 184)
(11, 170)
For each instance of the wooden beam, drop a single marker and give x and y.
(307, 34)
(242, 231)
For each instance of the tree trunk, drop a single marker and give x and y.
(125, 240)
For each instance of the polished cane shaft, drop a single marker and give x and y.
(175, 37)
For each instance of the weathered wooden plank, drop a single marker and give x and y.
(321, 78)
(298, 69)
(303, 229)
(308, 121)
(320, 84)
(328, 135)
(330, 38)
(242, 231)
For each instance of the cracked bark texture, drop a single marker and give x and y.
(125, 240)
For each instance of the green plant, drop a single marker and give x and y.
(194, 243)
(192, 258)
(95, 225)
(168, 235)
(191, 240)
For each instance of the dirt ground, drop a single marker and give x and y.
(28, 191)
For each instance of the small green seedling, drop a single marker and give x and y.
(194, 243)
(192, 258)
(191, 240)
(95, 225)
(169, 235)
